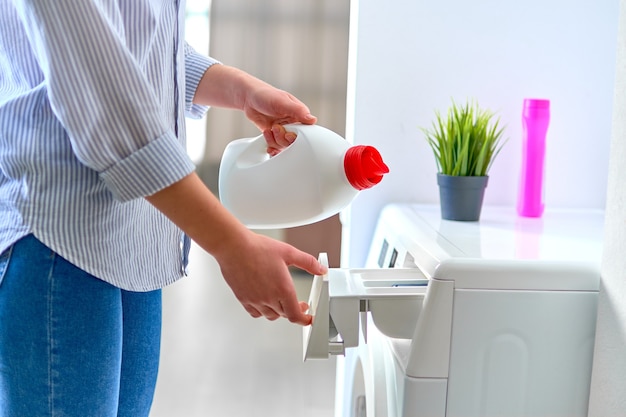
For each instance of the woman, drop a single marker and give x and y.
(98, 199)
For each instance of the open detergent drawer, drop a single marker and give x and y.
(339, 298)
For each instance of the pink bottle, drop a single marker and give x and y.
(535, 120)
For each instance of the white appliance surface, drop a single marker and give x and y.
(567, 235)
(504, 313)
(562, 249)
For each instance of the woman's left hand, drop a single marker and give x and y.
(270, 109)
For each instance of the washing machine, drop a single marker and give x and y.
(494, 318)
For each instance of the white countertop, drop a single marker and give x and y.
(512, 250)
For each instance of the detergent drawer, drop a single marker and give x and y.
(394, 298)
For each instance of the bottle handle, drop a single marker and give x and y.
(250, 151)
(254, 150)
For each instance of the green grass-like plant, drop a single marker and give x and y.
(466, 142)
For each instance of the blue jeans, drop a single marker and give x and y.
(71, 344)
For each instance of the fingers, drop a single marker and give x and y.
(307, 263)
(273, 148)
(252, 311)
(266, 312)
(267, 106)
(270, 314)
(289, 109)
(282, 136)
(278, 137)
(289, 307)
(271, 294)
(295, 312)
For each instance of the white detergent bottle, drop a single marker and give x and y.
(315, 177)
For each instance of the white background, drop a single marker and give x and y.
(410, 58)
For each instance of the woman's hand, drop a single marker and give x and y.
(255, 267)
(257, 272)
(269, 108)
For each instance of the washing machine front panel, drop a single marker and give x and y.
(521, 353)
(519, 301)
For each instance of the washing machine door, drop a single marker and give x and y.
(366, 386)
(351, 389)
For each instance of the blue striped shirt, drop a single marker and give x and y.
(93, 96)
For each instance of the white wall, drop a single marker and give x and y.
(408, 58)
(608, 383)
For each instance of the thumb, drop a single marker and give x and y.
(302, 113)
(308, 119)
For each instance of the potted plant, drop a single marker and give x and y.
(465, 143)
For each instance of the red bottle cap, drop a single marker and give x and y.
(364, 166)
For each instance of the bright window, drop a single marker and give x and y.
(197, 35)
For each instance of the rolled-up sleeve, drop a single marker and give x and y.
(195, 66)
(99, 92)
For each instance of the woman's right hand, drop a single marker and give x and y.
(255, 267)
(257, 270)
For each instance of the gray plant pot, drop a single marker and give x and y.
(461, 198)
